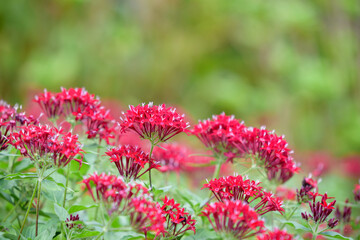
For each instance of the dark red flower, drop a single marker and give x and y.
(145, 216)
(357, 192)
(114, 192)
(320, 210)
(240, 188)
(216, 134)
(270, 151)
(333, 222)
(171, 157)
(177, 220)
(156, 123)
(130, 160)
(235, 218)
(70, 222)
(277, 234)
(47, 145)
(345, 215)
(308, 184)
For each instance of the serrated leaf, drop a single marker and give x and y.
(61, 212)
(335, 235)
(297, 226)
(77, 208)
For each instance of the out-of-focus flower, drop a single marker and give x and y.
(320, 210)
(235, 218)
(345, 215)
(177, 220)
(130, 160)
(285, 193)
(357, 192)
(145, 216)
(269, 150)
(171, 157)
(277, 234)
(216, 134)
(47, 145)
(114, 192)
(70, 222)
(240, 188)
(351, 166)
(156, 123)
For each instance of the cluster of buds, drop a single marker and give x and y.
(235, 218)
(156, 123)
(277, 234)
(320, 210)
(177, 220)
(308, 184)
(130, 160)
(47, 146)
(78, 104)
(240, 188)
(114, 192)
(345, 215)
(71, 222)
(10, 120)
(225, 135)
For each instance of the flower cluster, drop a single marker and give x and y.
(156, 123)
(285, 193)
(308, 184)
(114, 192)
(177, 220)
(239, 188)
(71, 222)
(10, 120)
(235, 218)
(79, 104)
(225, 135)
(47, 146)
(320, 210)
(277, 234)
(130, 160)
(171, 157)
(345, 215)
(357, 193)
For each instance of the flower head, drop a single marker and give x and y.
(171, 157)
(177, 220)
(156, 123)
(216, 134)
(70, 222)
(308, 184)
(130, 160)
(285, 193)
(235, 218)
(47, 145)
(240, 188)
(320, 210)
(277, 234)
(345, 215)
(357, 192)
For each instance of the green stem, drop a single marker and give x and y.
(28, 210)
(38, 207)
(217, 169)
(151, 150)
(67, 183)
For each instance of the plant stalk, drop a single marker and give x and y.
(66, 184)
(38, 207)
(151, 150)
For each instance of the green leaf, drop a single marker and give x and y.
(52, 191)
(297, 226)
(334, 235)
(77, 208)
(203, 234)
(20, 176)
(85, 234)
(61, 212)
(124, 235)
(24, 164)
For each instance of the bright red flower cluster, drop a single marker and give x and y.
(114, 192)
(277, 234)
(47, 145)
(130, 160)
(157, 123)
(172, 157)
(10, 120)
(320, 209)
(216, 133)
(239, 188)
(177, 220)
(78, 103)
(234, 217)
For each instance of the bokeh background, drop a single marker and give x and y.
(290, 65)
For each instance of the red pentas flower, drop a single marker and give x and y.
(271, 152)
(235, 218)
(171, 157)
(320, 210)
(308, 184)
(240, 188)
(130, 161)
(216, 134)
(47, 146)
(277, 234)
(177, 220)
(114, 192)
(145, 216)
(71, 222)
(357, 192)
(156, 123)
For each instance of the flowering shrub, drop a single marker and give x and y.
(56, 184)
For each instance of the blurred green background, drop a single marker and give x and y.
(291, 65)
